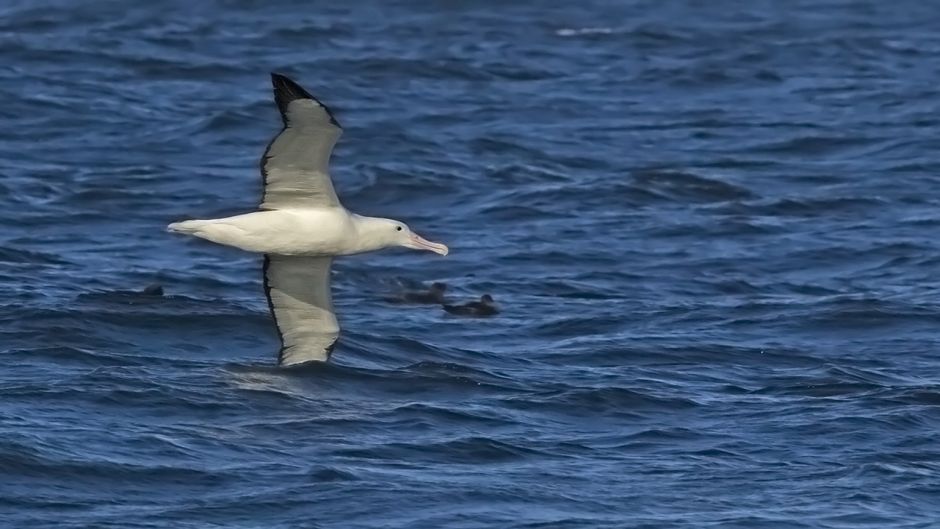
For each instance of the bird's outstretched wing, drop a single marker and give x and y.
(295, 166)
(298, 291)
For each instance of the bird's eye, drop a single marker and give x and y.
(398, 228)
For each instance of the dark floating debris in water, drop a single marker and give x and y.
(485, 307)
(432, 296)
(151, 293)
(154, 289)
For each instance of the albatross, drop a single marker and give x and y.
(301, 226)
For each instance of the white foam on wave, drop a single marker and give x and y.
(570, 32)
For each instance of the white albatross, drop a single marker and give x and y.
(301, 226)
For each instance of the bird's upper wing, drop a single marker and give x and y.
(295, 166)
(298, 291)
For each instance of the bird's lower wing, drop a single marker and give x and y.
(298, 291)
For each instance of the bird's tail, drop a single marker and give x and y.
(188, 227)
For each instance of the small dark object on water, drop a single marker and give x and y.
(434, 296)
(155, 289)
(485, 307)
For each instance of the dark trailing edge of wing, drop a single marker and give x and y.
(286, 90)
(267, 294)
(280, 336)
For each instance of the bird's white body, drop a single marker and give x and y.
(302, 226)
(318, 232)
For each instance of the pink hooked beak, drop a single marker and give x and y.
(420, 243)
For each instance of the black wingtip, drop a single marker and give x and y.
(286, 91)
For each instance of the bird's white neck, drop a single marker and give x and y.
(371, 232)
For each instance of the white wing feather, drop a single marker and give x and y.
(298, 291)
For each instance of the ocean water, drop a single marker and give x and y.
(711, 228)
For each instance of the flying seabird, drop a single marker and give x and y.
(301, 226)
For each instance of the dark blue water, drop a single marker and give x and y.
(711, 226)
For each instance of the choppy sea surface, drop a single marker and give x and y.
(712, 229)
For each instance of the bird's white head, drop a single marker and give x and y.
(394, 233)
